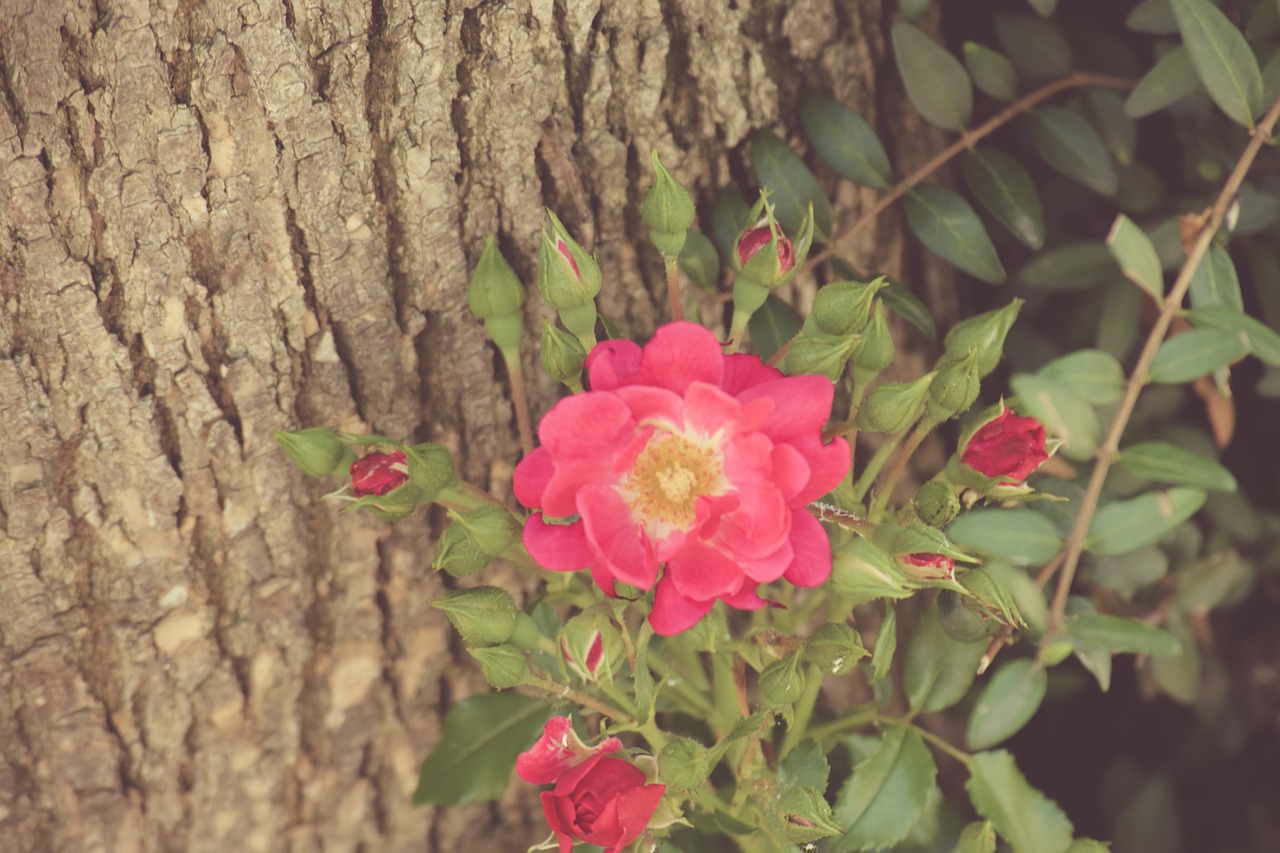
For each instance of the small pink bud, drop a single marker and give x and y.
(379, 473)
(563, 248)
(754, 239)
(929, 567)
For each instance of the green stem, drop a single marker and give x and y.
(562, 691)
(673, 290)
(900, 464)
(803, 710)
(869, 474)
(519, 399)
(851, 720)
(958, 754)
(694, 700)
(726, 695)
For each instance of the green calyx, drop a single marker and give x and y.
(668, 211)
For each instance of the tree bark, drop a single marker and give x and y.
(220, 219)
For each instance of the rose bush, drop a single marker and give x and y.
(1010, 446)
(686, 469)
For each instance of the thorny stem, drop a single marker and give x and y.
(967, 140)
(1138, 377)
(520, 399)
(564, 692)
(673, 290)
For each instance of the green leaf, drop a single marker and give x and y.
(699, 260)
(1172, 79)
(908, 306)
(792, 187)
(992, 72)
(938, 670)
(1124, 526)
(804, 767)
(1093, 374)
(886, 644)
(1215, 282)
(844, 140)
(1118, 326)
(1152, 16)
(1222, 58)
(1071, 267)
(1021, 536)
(1069, 144)
(1087, 845)
(772, 326)
(948, 226)
(1261, 340)
(1037, 47)
(1212, 581)
(1179, 675)
(1044, 7)
(1005, 189)
(1026, 818)
(1117, 129)
(1007, 703)
(1064, 413)
(977, 837)
(1195, 353)
(1117, 634)
(479, 742)
(1137, 257)
(1168, 463)
(886, 793)
(912, 9)
(730, 216)
(936, 82)
(1128, 573)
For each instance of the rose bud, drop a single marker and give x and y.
(316, 451)
(558, 750)
(379, 473)
(755, 239)
(667, 210)
(1009, 446)
(928, 567)
(603, 801)
(483, 615)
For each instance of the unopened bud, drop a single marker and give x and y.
(844, 307)
(683, 763)
(503, 666)
(431, 469)
(667, 210)
(958, 620)
(819, 354)
(782, 682)
(936, 503)
(457, 554)
(983, 334)
(562, 355)
(567, 276)
(583, 646)
(495, 296)
(484, 615)
(861, 571)
(954, 387)
(317, 451)
(491, 527)
(928, 567)
(806, 816)
(877, 350)
(764, 254)
(379, 473)
(892, 407)
(834, 648)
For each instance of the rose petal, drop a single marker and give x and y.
(614, 535)
(790, 471)
(559, 813)
(681, 354)
(562, 434)
(801, 405)
(828, 465)
(700, 572)
(612, 364)
(532, 476)
(746, 371)
(557, 547)
(672, 612)
(812, 564)
(635, 809)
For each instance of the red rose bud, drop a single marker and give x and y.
(1009, 446)
(379, 473)
(603, 801)
(755, 239)
(928, 567)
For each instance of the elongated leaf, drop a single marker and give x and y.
(1093, 374)
(479, 742)
(1117, 634)
(1026, 818)
(936, 82)
(699, 260)
(992, 72)
(792, 187)
(885, 795)
(1128, 573)
(1137, 257)
(912, 9)
(729, 216)
(938, 670)
(908, 306)
(1064, 413)
(948, 226)
(1007, 703)
(1168, 463)
(1036, 46)
(1069, 144)
(1171, 80)
(1195, 353)
(1005, 189)
(886, 644)
(772, 326)
(1152, 16)
(1072, 267)
(1222, 58)
(1118, 325)
(1261, 340)
(1215, 282)
(1124, 526)
(844, 140)
(1021, 536)
(1217, 579)
(1117, 129)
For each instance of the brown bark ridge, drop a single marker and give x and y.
(219, 219)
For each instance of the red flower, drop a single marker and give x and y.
(1009, 446)
(682, 459)
(602, 801)
(929, 567)
(558, 750)
(379, 473)
(755, 239)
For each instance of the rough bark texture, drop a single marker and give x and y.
(219, 219)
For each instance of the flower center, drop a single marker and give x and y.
(667, 479)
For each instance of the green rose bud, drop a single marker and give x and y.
(457, 553)
(805, 816)
(960, 623)
(567, 276)
(819, 354)
(954, 388)
(491, 527)
(862, 572)
(936, 503)
(983, 334)
(684, 763)
(527, 634)
(484, 616)
(782, 682)
(667, 210)
(892, 407)
(317, 451)
(503, 665)
(562, 355)
(430, 469)
(877, 350)
(834, 648)
(764, 254)
(495, 296)
(844, 307)
(748, 296)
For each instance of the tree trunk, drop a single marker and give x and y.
(220, 219)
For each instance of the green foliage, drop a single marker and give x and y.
(884, 796)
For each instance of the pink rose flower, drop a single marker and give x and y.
(1009, 446)
(558, 750)
(379, 473)
(689, 470)
(602, 801)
